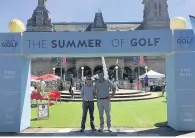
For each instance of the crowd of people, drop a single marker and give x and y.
(149, 84)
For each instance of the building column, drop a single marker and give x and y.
(64, 75)
(82, 73)
(116, 68)
(122, 71)
(77, 73)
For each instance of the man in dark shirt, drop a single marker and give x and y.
(146, 82)
(72, 88)
(88, 94)
(131, 83)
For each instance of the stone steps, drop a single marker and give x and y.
(152, 96)
(121, 95)
(116, 95)
(120, 92)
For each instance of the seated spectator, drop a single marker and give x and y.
(35, 89)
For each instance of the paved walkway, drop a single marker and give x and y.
(163, 131)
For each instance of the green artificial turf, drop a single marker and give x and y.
(144, 113)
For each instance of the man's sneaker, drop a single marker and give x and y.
(109, 130)
(82, 130)
(93, 129)
(100, 130)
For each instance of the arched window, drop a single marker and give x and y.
(155, 9)
(155, 6)
(159, 8)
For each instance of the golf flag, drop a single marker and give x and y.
(141, 60)
(64, 60)
(192, 20)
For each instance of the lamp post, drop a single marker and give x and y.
(82, 72)
(116, 72)
(146, 69)
(64, 76)
(54, 70)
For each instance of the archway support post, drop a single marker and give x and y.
(180, 72)
(180, 75)
(15, 100)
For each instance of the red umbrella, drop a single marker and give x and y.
(48, 77)
(33, 78)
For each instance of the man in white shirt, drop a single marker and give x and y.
(88, 94)
(151, 84)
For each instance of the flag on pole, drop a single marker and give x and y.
(64, 60)
(141, 60)
(192, 21)
(135, 60)
(58, 61)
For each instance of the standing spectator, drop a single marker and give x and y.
(163, 88)
(131, 83)
(138, 85)
(142, 84)
(146, 82)
(151, 84)
(72, 87)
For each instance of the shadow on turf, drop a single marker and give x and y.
(33, 105)
(161, 129)
(34, 119)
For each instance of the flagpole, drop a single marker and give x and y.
(61, 68)
(64, 73)
(139, 68)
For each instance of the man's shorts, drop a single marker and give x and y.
(146, 84)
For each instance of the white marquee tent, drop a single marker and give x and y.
(152, 74)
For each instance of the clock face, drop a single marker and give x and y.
(39, 18)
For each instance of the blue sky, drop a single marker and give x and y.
(83, 10)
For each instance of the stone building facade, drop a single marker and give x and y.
(155, 16)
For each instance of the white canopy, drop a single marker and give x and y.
(152, 74)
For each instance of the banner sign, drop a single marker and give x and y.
(10, 43)
(184, 40)
(14, 82)
(93, 43)
(185, 90)
(15, 70)
(43, 111)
